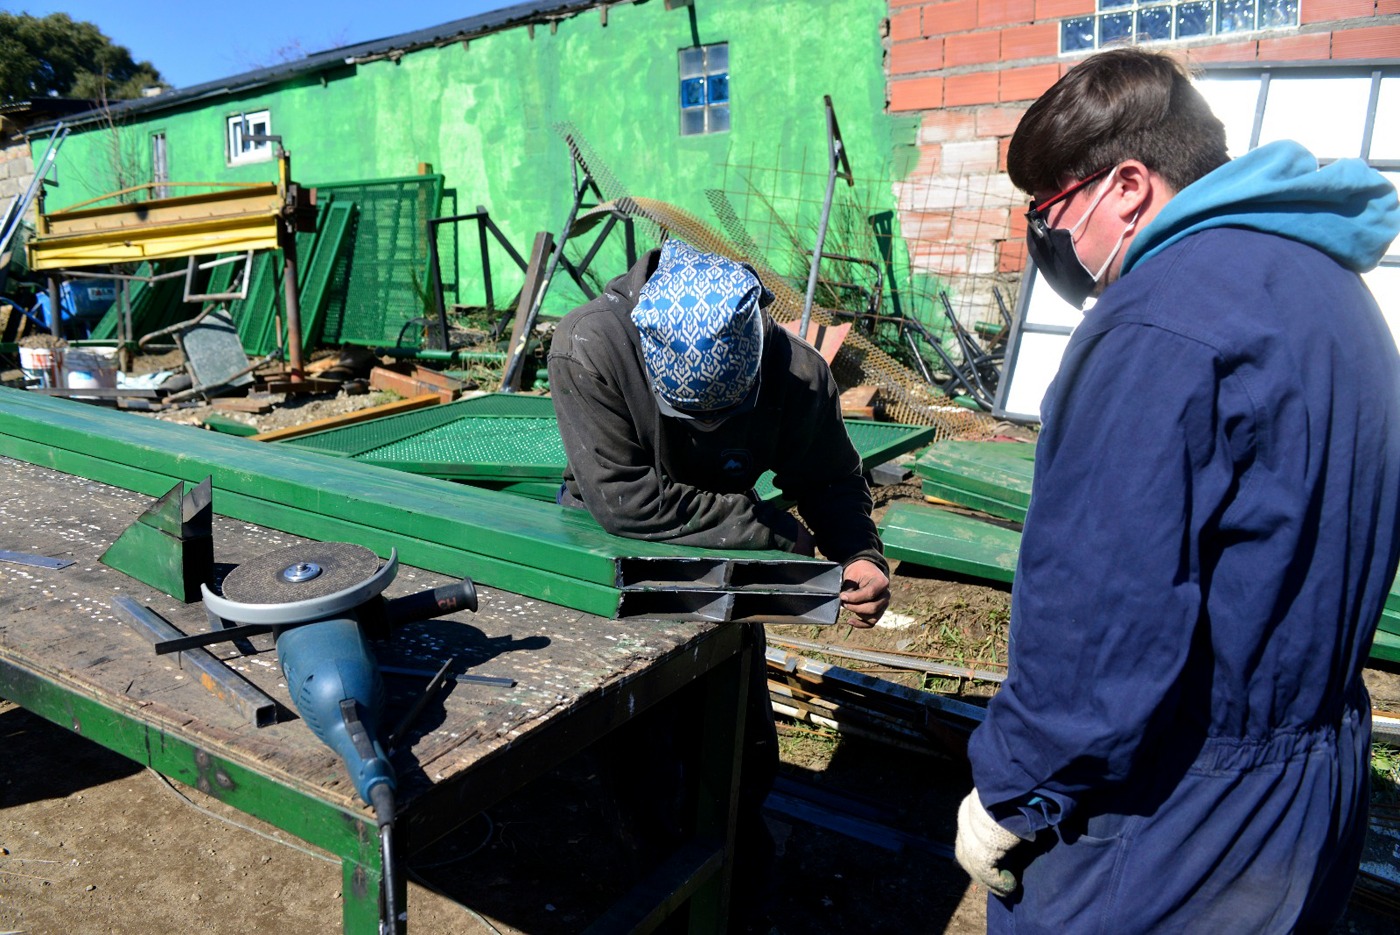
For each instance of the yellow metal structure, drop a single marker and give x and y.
(238, 218)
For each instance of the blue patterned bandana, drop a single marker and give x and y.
(702, 332)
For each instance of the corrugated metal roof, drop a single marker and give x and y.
(517, 15)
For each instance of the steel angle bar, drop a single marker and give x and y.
(782, 608)
(652, 573)
(677, 604)
(218, 679)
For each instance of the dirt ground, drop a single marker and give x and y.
(92, 843)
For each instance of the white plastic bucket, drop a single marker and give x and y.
(90, 368)
(43, 364)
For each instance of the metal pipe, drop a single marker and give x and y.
(218, 679)
(836, 152)
(289, 283)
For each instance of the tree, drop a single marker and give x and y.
(54, 56)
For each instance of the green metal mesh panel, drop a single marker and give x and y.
(488, 447)
(502, 436)
(386, 277)
(353, 440)
(317, 275)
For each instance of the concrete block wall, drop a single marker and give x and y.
(16, 169)
(970, 68)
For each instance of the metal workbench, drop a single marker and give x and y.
(66, 656)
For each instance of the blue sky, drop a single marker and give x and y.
(195, 41)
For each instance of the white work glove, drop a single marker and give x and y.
(981, 845)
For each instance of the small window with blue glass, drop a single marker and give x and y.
(1120, 22)
(704, 95)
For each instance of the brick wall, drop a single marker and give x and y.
(970, 68)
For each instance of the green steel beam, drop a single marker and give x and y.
(429, 555)
(925, 535)
(961, 497)
(500, 533)
(1000, 470)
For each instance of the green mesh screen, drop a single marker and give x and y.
(503, 437)
(383, 284)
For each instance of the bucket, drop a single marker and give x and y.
(90, 368)
(42, 364)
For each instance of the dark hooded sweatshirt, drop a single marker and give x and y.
(647, 476)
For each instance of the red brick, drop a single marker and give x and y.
(942, 19)
(977, 48)
(1371, 42)
(976, 88)
(1039, 40)
(1059, 9)
(904, 25)
(899, 3)
(1326, 11)
(916, 94)
(1002, 12)
(941, 126)
(1003, 146)
(1011, 256)
(924, 55)
(998, 121)
(1387, 7)
(1017, 228)
(1227, 52)
(1025, 84)
(1291, 48)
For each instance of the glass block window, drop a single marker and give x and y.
(704, 97)
(1120, 22)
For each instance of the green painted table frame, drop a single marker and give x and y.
(697, 877)
(55, 663)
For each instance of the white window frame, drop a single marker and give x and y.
(237, 151)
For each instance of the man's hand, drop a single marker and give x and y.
(981, 845)
(865, 591)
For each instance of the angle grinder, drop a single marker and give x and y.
(322, 601)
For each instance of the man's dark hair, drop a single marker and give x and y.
(1117, 105)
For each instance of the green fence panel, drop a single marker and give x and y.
(934, 538)
(384, 284)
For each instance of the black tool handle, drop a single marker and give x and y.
(439, 602)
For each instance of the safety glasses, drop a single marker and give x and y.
(1037, 217)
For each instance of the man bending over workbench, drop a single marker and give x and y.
(674, 393)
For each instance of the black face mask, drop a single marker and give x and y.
(1052, 248)
(1058, 264)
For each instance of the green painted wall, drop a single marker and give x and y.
(483, 115)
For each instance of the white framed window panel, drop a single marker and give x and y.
(241, 151)
(1337, 111)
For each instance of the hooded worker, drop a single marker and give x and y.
(1181, 743)
(674, 392)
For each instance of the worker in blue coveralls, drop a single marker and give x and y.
(674, 392)
(1181, 744)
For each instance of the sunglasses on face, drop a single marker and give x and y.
(1038, 218)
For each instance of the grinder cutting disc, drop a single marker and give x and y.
(300, 572)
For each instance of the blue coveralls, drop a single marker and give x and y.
(1211, 535)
